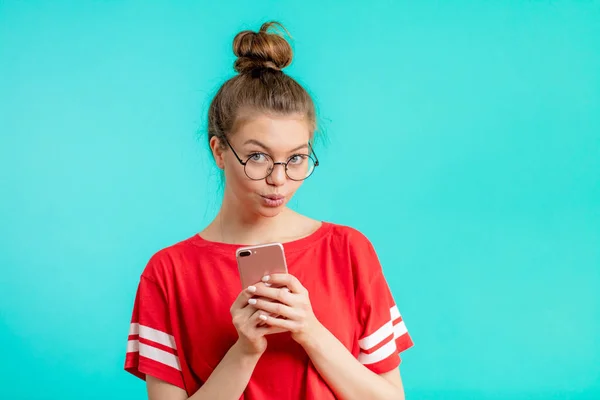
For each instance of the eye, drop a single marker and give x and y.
(258, 158)
(297, 159)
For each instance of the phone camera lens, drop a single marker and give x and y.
(245, 253)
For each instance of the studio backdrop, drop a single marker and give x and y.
(461, 137)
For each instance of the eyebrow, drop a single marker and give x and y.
(257, 143)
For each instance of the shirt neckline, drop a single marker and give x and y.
(289, 247)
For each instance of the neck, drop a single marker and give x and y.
(236, 227)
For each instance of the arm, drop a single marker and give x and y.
(348, 378)
(231, 376)
(228, 380)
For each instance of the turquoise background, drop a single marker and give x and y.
(462, 138)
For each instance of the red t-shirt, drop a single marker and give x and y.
(181, 325)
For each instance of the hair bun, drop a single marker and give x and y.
(261, 50)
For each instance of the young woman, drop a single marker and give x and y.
(196, 333)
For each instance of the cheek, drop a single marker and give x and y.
(294, 186)
(238, 182)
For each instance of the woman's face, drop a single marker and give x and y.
(280, 138)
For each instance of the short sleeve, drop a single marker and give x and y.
(383, 333)
(151, 347)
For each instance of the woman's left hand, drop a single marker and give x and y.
(290, 303)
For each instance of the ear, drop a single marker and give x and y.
(217, 151)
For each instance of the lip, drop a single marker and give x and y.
(273, 200)
(273, 196)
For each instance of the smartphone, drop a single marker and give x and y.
(254, 262)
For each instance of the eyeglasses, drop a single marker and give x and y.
(260, 165)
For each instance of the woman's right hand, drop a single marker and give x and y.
(247, 321)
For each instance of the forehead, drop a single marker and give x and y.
(277, 132)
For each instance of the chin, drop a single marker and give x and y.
(270, 212)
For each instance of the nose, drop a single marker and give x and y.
(277, 177)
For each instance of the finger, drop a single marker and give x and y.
(258, 320)
(276, 294)
(274, 308)
(286, 324)
(257, 317)
(242, 300)
(288, 280)
(246, 312)
(269, 330)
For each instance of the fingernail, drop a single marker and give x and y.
(252, 289)
(251, 301)
(266, 278)
(263, 317)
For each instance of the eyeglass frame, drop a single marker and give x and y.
(285, 164)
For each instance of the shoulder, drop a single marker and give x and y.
(163, 263)
(353, 248)
(353, 242)
(352, 237)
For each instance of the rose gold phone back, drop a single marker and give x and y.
(263, 260)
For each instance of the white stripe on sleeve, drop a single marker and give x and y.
(134, 329)
(158, 355)
(157, 336)
(152, 352)
(380, 354)
(153, 335)
(133, 346)
(379, 336)
(400, 329)
(395, 313)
